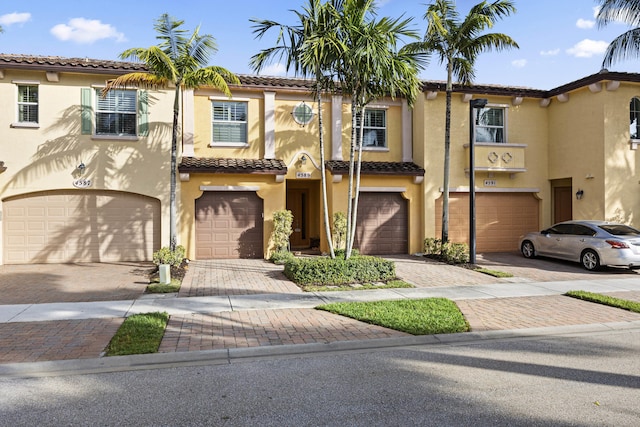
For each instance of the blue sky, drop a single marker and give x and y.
(559, 41)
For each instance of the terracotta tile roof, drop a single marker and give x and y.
(57, 63)
(340, 167)
(276, 82)
(217, 165)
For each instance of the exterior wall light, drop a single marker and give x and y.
(81, 167)
(579, 194)
(303, 159)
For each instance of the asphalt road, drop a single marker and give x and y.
(571, 380)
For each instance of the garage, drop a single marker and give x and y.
(80, 226)
(501, 218)
(229, 225)
(382, 227)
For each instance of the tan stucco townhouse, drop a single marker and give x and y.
(86, 178)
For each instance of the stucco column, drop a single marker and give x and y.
(269, 125)
(407, 132)
(336, 128)
(188, 123)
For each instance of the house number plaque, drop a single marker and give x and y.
(82, 183)
(303, 174)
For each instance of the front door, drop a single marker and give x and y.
(298, 204)
(562, 202)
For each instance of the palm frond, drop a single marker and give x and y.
(625, 11)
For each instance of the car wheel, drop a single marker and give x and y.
(528, 251)
(590, 260)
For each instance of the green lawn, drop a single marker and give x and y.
(606, 300)
(139, 334)
(416, 317)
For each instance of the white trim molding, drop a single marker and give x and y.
(229, 188)
(382, 189)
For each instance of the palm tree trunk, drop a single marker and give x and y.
(447, 157)
(356, 197)
(323, 174)
(350, 222)
(174, 161)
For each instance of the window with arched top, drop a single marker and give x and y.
(634, 118)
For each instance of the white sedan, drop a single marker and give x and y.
(591, 243)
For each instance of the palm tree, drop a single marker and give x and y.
(457, 45)
(309, 48)
(371, 67)
(179, 60)
(626, 45)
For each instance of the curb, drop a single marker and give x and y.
(239, 355)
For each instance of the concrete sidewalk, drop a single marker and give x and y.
(235, 312)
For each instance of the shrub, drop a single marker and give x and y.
(282, 221)
(166, 256)
(327, 271)
(341, 253)
(281, 257)
(453, 253)
(339, 230)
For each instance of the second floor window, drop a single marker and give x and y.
(28, 104)
(229, 124)
(634, 117)
(116, 113)
(375, 128)
(490, 125)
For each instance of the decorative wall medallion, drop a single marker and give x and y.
(493, 157)
(507, 157)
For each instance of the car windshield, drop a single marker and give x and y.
(620, 230)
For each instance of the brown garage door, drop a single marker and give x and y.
(229, 225)
(80, 226)
(382, 226)
(501, 218)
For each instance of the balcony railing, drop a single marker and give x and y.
(495, 157)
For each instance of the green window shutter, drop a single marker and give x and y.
(86, 112)
(143, 113)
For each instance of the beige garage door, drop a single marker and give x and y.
(229, 225)
(501, 218)
(80, 226)
(382, 224)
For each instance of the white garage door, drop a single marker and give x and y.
(80, 226)
(501, 218)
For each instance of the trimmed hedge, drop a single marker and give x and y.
(338, 271)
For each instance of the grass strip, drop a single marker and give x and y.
(417, 317)
(392, 284)
(494, 273)
(139, 334)
(606, 300)
(158, 288)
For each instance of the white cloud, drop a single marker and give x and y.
(274, 70)
(519, 63)
(86, 31)
(585, 24)
(15, 18)
(587, 48)
(552, 52)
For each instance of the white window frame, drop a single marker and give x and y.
(505, 109)
(245, 122)
(634, 114)
(134, 114)
(26, 124)
(375, 129)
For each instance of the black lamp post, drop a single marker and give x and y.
(473, 104)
